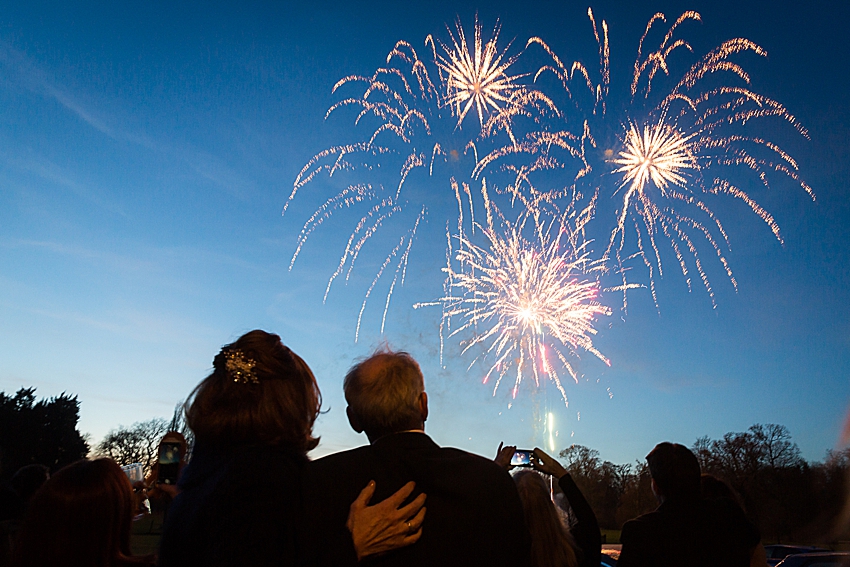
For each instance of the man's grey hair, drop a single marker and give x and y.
(383, 392)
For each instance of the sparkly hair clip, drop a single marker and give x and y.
(239, 367)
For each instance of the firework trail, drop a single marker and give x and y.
(413, 119)
(679, 142)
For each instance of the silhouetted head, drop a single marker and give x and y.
(551, 543)
(259, 392)
(81, 516)
(386, 394)
(28, 479)
(712, 488)
(675, 471)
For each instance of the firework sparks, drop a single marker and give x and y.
(660, 154)
(530, 305)
(478, 77)
(412, 124)
(671, 140)
(659, 167)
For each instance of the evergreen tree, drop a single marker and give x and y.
(39, 432)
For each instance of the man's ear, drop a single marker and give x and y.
(353, 421)
(423, 406)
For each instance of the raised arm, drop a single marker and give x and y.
(586, 530)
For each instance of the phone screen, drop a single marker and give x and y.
(522, 458)
(169, 463)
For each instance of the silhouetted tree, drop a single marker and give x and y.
(787, 497)
(43, 432)
(637, 496)
(135, 444)
(777, 449)
(764, 466)
(602, 482)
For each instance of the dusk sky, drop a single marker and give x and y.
(147, 150)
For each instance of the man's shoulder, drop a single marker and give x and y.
(649, 522)
(342, 458)
(479, 464)
(338, 475)
(460, 454)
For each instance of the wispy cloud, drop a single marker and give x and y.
(17, 68)
(122, 262)
(145, 259)
(49, 171)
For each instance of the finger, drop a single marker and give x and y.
(415, 527)
(412, 538)
(507, 452)
(400, 495)
(499, 450)
(413, 508)
(539, 461)
(365, 495)
(416, 521)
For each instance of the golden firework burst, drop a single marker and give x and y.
(478, 76)
(660, 154)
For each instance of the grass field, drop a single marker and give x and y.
(144, 537)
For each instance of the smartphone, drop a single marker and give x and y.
(134, 472)
(522, 458)
(169, 462)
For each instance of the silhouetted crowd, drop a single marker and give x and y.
(250, 496)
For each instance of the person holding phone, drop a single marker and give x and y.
(550, 547)
(239, 501)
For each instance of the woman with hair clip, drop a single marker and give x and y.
(240, 496)
(554, 544)
(80, 517)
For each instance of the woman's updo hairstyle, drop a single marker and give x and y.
(259, 393)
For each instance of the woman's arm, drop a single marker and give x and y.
(585, 532)
(386, 525)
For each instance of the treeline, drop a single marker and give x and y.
(45, 432)
(788, 498)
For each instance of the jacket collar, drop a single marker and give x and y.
(405, 439)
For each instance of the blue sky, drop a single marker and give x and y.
(147, 150)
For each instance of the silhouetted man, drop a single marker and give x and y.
(685, 529)
(474, 515)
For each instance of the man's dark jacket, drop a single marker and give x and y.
(474, 515)
(691, 532)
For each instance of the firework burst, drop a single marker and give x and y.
(478, 77)
(659, 154)
(528, 304)
(672, 139)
